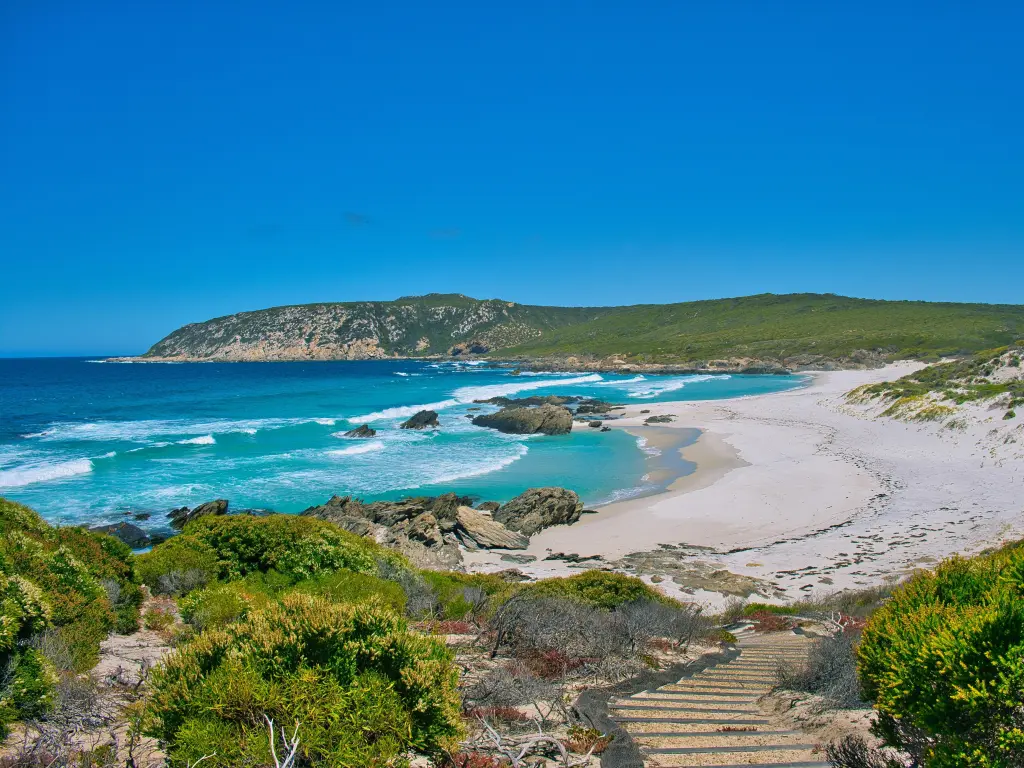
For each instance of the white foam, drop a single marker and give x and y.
(44, 472)
(471, 394)
(325, 422)
(355, 450)
(145, 429)
(466, 395)
(641, 443)
(400, 373)
(108, 455)
(201, 440)
(403, 411)
(480, 469)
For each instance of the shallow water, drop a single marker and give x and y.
(82, 441)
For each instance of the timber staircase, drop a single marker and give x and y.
(713, 717)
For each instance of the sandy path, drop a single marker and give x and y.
(803, 492)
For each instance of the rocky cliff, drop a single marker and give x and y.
(436, 324)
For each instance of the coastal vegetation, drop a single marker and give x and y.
(293, 636)
(763, 332)
(993, 376)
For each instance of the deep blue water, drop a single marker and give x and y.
(83, 441)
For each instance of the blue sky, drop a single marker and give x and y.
(163, 163)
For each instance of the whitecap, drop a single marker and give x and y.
(471, 394)
(325, 422)
(403, 411)
(202, 440)
(43, 472)
(479, 469)
(355, 450)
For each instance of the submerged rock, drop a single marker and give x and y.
(539, 508)
(545, 419)
(364, 431)
(421, 420)
(132, 535)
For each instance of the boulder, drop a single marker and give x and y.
(606, 429)
(183, 515)
(667, 419)
(364, 431)
(523, 402)
(544, 419)
(595, 424)
(539, 508)
(518, 559)
(488, 506)
(421, 420)
(484, 532)
(132, 535)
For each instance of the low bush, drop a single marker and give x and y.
(350, 587)
(361, 687)
(297, 547)
(782, 610)
(830, 672)
(86, 581)
(943, 662)
(178, 565)
(600, 589)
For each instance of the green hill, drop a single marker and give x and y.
(766, 330)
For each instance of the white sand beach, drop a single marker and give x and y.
(805, 493)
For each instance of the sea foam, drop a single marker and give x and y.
(355, 450)
(467, 395)
(43, 472)
(201, 440)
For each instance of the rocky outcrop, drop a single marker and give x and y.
(480, 531)
(426, 529)
(545, 419)
(595, 424)
(421, 420)
(488, 506)
(524, 402)
(539, 508)
(364, 431)
(132, 535)
(183, 515)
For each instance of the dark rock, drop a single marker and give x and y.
(516, 372)
(595, 406)
(646, 410)
(183, 515)
(589, 512)
(473, 409)
(595, 424)
(142, 515)
(132, 535)
(572, 557)
(364, 431)
(519, 559)
(488, 506)
(524, 402)
(545, 419)
(512, 575)
(667, 419)
(606, 429)
(539, 508)
(421, 420)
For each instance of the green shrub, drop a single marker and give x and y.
(360, 686)
(26, 680)
(355, 588)
(600, 589)
(178, 565)
(943, 661)
(298, 547)
(216, 606)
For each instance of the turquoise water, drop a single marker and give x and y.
(83, 441)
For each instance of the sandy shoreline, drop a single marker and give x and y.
(798, 493)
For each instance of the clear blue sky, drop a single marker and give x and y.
(163, 163)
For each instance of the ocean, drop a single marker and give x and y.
(84, 441)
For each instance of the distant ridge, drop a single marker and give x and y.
(763, 332)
